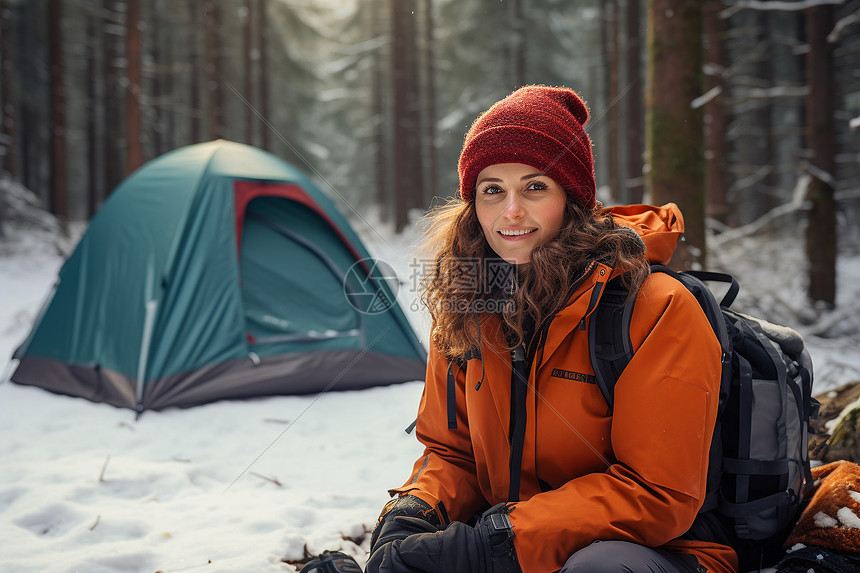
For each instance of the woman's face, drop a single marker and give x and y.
(518, 209)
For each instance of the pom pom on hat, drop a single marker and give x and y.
(540, 126)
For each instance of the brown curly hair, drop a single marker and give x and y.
(459, 290)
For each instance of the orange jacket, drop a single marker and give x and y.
(637, 474)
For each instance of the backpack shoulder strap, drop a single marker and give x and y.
(609, 345)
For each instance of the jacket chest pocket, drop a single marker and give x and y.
(572, 426)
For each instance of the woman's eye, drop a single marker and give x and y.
(537, 186)
(491, 190)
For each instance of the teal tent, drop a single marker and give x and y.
(218, 271)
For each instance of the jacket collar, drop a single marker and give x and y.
(579, 307)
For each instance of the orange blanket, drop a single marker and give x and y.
(832, 518)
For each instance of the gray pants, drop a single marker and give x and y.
(627, 557)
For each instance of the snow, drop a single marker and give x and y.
(240, 486)
(848, 518)
(823, 520)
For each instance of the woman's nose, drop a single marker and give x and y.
(514, 207)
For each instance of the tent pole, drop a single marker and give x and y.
(148, 324)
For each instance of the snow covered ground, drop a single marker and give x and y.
(241, 486)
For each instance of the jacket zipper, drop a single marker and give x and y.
(519, 384)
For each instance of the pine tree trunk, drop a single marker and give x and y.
(518, 44)
(716, 149)
(263, 74)
(168, 102)
(93, 50)
(612, 153)
(195, 103)
(380, 112)
(430, 96)
(113, 145)
(821, 230)
(247, 56)
(9, 143)
(59, 195)
(408, 173)
(134, 151)
(675, 142)
(635, 115)
(213, 71)
(156, 91)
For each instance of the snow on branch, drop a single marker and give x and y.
(706, 97)
(775, 92)
(821, 175)
(796, 204)
(854, 123)
(776, 5)
(843, 23)
(746, 182)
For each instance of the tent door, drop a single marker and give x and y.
(293, 282)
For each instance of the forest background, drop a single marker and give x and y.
(746, 113)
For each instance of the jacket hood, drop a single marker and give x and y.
(659, 227)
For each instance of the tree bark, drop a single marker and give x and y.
(408, 173)
(821, 233)
(675, 143)
(134, 151)
(430, 96)
(195, 103)
(612, 154)
(168, 102)
(213, 71)
(93, 105)
(247, 56)
(716, 149)
(59, 192)
(9, 94)
(113, 145)
(380, 111)
(518, 44)
(263, 73)
(635, 116)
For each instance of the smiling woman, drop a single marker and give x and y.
(518, 209)
(525, 465)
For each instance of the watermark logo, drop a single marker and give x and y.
(365, 286)
(477, 286)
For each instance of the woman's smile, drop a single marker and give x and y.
(516, 234)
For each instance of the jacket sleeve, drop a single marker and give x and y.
(444, 476)
(665, 409)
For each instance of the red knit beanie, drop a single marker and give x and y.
(540, 126)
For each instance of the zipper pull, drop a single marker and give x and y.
(483, 374)
(518, 354)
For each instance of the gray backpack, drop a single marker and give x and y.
(759, 461)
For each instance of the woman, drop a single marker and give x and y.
(525, 468)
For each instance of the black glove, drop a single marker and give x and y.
(485, 548)
(331, 562)
(408, 506)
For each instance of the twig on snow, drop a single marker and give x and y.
(273, 480)
(104, 467)
(98, 518)
(359, 539)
